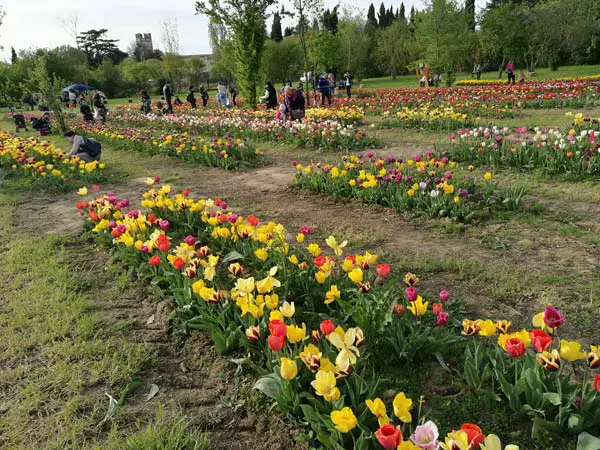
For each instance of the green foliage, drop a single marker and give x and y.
(394, 48)
(282, 60)
(50, 86)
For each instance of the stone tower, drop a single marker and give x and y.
(144, 44)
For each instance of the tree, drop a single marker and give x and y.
(470, 12)
(170, 36)
(330, 20)
(69, 24)
(371, 19)
(402, 12)
(289, 31)
(13, 56)
(97, 47)
(383, 17)
(193, 70)
(282, 61)
(245, 19)
(324, 50)
(50, 86)
(276, 33)
(354, 47)
(303, 9)
(392, 51)
(442, 32)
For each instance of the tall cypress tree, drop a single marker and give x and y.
(371, 15)
(402, 14)
(470, 12)
(13, 56)
(382, 16)
(412, 15)
(276, 33)
(390, 16)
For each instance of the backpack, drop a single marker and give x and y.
(91, 147)
(300, 101)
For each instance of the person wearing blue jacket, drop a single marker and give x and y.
(325, 90)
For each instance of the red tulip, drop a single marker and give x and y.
(327, 327)
(515, 347)
(319, 261)
(597, 382)
(383, 270)
(277, 328)
(179, 263)
(411, 293)
(276, 343)
(252, 220)
(540, 340)
(389, 437)
(438, 308)
(474, 435)
(399, 309)
(154, 261)
(553, 318)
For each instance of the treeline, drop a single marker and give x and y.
(98, 62)
(448, 35)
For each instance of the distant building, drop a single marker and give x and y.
(144, 44)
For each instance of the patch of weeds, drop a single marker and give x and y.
(494, 243)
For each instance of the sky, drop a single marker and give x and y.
(32, 24)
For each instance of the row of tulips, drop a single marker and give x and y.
(225, 152)
(424, 185)
(313, 132)
(550, 379)
(47, 165)
(573, 152)
(247, 285)
(441, 118)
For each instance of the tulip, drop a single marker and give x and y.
(316, 336)
(515, 347)
(571, 351)
(426, 436)
(276, 343)
(474, 435)
(289, 369)
(540, 340)
(593, 357)
(549, 360)
(399, 310)
(553, 318)
(253, 334)
(344, 419)
(503, 326)
(444, 296)
(596, 382)
(164, 225)
(383, 270)
(437, 308)
(442, 319)
(277, 328)
(389, 437)
(411, 293)
(154, 261)
(327, 327)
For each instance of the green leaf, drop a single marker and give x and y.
(270, 385)
(220, 343)
(232, 256)
(575, 422)
(553, 398)
(586, 441)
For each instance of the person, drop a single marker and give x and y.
(42, 124)
(324, 88)
(510, 70)
(477, 71)
(190, 97)
(29, 101)
(331, 79)
(348, 83)
(86, 112)
(234, 93)
(521, 77)
(99, 108)
(146, 101)
(203, 95)
(168, 95)
(294, 104)
(222, 94)
(86, 149)
(19, 120)
(270, 97)
(72, 98)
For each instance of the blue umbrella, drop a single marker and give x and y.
(79, 87)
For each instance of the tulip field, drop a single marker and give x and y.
(409, 269)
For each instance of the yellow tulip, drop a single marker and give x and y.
(289, 369)
(418, 307)
(402, 406)
(288, 309)
(356, 275)
(325, 385)
(571, 351)
(296, 334)
(344, 419)
(332, 294)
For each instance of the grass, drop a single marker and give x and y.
(412, 81)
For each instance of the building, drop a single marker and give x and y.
(144, 44)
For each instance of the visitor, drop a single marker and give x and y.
(203, 95)
(86, 149)
(510, 70)
(222, 94)
(168, 95)
(146, 101)
(521, 77)
(234, 93)
(348, 83)
(86, 112)
(270, 97)
(100, 111)
(477, 71)
(190, 97)
(324, 89)
(294, 104)
(332, 85)
(42, 125)
(72, 98)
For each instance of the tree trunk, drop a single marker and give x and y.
(501, 68)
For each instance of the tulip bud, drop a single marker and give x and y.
(203, 252)
(411, 293)
(593, 358)
(327, 327)
(437, 308)
(316, 337)
(359, 337)
(236, 269)
(549, 360)
(399, 310)
(444, 295)
(253, 334)
(442, 318)
(364, 287)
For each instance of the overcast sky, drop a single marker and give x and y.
(34, 23)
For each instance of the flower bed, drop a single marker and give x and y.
(552, 151)
(225, 152)
(424, 186)
(429, 119)
(47, 165)
(307, 316)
